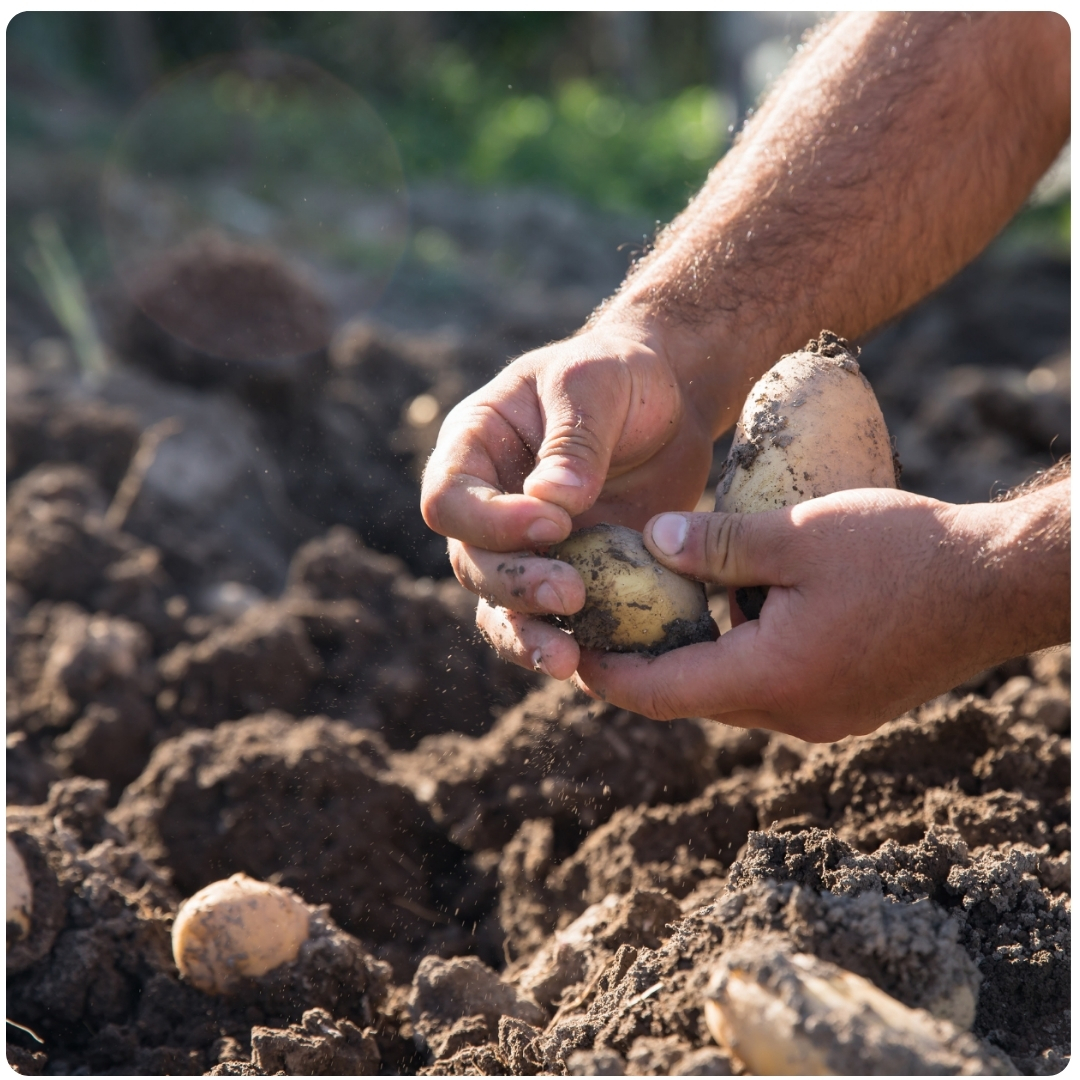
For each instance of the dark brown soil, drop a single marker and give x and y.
(250, 673)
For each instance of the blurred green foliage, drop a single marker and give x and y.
(488, 98)
(583, 137)
(492, 99)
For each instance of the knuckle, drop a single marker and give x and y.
(576, 439)
(721, 540)
(661, 704)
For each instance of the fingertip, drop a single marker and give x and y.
(560, 657)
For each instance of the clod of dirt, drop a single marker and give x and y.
(905, 799)
(102, 911)
(308, 804)
(58, 546)
(91, 434)
(82, 689)
(785, 1013)
(217, 312)
(673, 848)
(659, 993)
(318, 1046)
(460, 1002)
(651, 1056)
(877, 788)
(1016, 932)
(237, 928)
(263, 660)
(20, 894)
(28, 774)
(595, 1063)
(575, 955)
(556, 755)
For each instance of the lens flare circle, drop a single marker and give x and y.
(251, 203)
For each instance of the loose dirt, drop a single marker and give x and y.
(263, 668)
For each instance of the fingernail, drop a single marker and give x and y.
(669, 533)
(538, 662)
(558, 474)
(549, 599)
(544, 531)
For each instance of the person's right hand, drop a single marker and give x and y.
(596, 428)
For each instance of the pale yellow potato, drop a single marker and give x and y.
(20, 891)
(632, 602)
(790, 1014)
(237, 928)
(810, 426)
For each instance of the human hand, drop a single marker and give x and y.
(600, 427)
(878, 601)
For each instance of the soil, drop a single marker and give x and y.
(260, 665)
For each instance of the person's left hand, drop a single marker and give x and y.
(878, 601)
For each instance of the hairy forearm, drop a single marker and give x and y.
(891, 153)
(1019, 584)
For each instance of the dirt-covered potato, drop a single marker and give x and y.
(811, 425)
(787, 1014)
(237, 928)
(632, 602)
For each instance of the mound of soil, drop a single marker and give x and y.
(241, 665)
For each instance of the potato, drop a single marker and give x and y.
(20, 894)
(237, 928)
(811, 425)
(785, 1013)
(632, 602)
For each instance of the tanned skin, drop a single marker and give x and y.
(893, 150)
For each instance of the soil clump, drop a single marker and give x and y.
(255, 662)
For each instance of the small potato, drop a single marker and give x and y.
(237, 928)
(20, 895)
(632, 602)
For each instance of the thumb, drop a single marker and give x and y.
(584, 413)
(728, 549)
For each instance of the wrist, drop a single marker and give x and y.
(1019, 581)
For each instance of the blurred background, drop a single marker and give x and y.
(303, 237)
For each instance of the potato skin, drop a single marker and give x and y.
(810, 426)
(237, 928)
(632, 602)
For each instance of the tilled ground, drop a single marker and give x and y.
(210, 671)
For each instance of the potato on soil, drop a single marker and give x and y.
(783, 1013)
(632, 602)
(237, 928)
